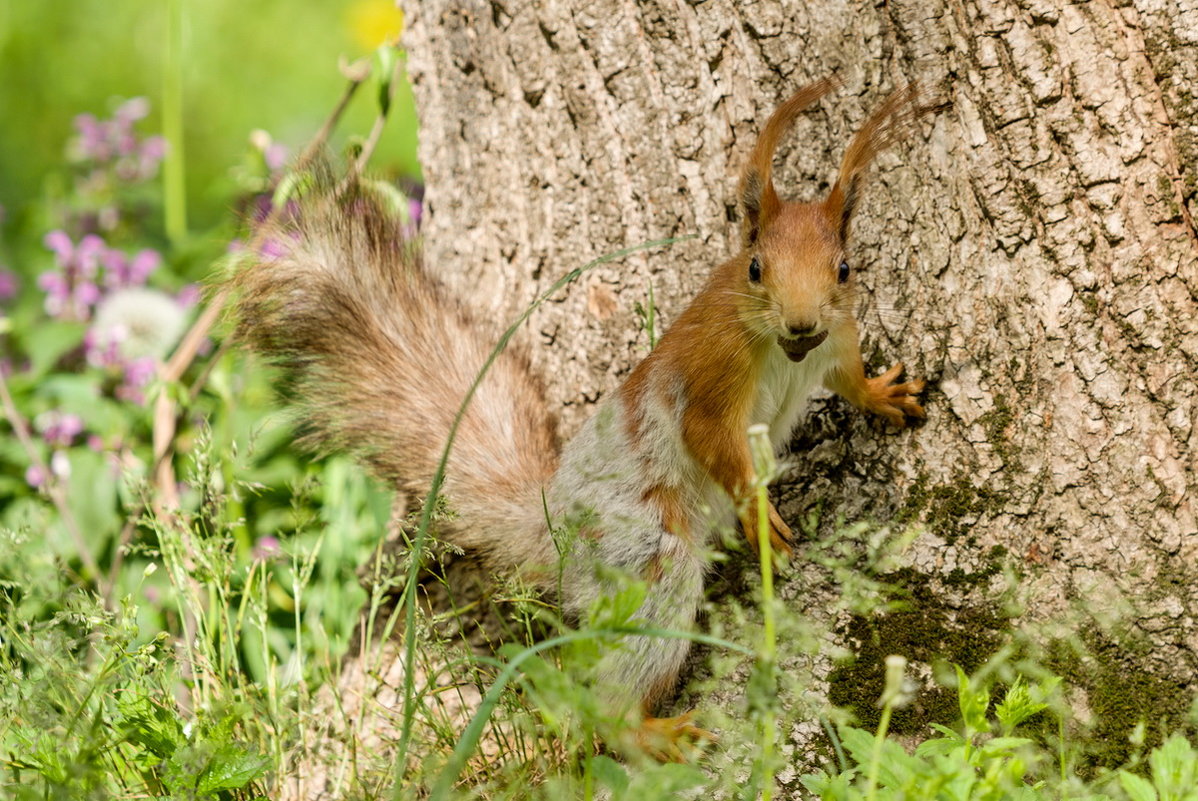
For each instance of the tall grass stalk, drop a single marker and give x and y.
(764, 467)
(173, 180)
(892, 691)
(408, 600)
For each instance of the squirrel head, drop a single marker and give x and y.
(798, 283)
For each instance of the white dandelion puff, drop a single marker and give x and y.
(137, 323)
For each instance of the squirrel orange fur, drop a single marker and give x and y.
(379, 359)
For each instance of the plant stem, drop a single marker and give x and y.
(376, 131)
(173, 181)
(765, 468)
(875, 758)
(769, 645)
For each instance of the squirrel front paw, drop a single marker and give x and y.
(895, 402)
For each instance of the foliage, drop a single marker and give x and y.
(271, 65)
(173, 587)
(986, 760)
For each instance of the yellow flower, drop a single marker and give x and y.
(375, 22)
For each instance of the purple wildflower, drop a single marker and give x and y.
(150, 155)
(103, 348)
(59, 429)
(275, 156)
(35, 476)
(73, 291)
(58, 295)
(92, 144)
(189, 295)
(266, 548)
(87, 294)
(143, 263)
(61, 244)
(138, 374)
(8, 284)
(113, 144)
(272, 249)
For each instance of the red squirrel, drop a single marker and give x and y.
(379, 359)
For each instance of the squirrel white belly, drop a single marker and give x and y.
(380, 358)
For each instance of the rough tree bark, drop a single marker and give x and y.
(1030, 251)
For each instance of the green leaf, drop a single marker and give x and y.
(92, 496)
(49, 341)
(831, 788)
(395, 201)
(1017, 706)
(1136, 787)
(664, 781)
(609, 773)
(618, 608)
(232, 767)
(1005, 744)
(152, 726)
(290, 185)
(858, 743)
(896, 768)
(941, 746)
(973, 702)
(387, 56)
(1174, 768)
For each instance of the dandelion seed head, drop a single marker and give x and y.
(141, 322)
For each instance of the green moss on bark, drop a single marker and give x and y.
(1118, 695)
(925, 629)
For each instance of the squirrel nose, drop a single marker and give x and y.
(803, 329)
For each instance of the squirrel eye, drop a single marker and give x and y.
(755, 270)
(842, 274)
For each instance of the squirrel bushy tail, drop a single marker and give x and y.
(377, 359)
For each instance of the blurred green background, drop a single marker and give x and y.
(240, 68)
(261, 64)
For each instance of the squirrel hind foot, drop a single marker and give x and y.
(780, 533)
(673, 739)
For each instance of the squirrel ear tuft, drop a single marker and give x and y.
(758, 200)
(893, 119)
(752, 201)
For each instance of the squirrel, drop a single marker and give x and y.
(380, 357)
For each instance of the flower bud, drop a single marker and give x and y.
(765, 465)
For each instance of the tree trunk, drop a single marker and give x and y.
(1030, 251)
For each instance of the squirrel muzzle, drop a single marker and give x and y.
(797, 349)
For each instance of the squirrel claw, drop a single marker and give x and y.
(663, 738)
(895, 402)
(780, 533)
